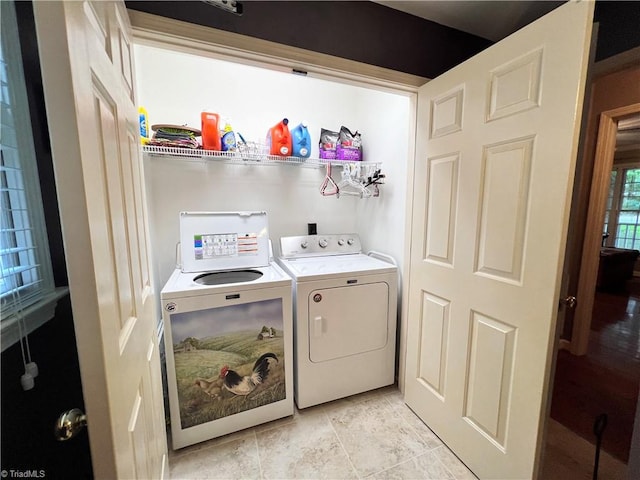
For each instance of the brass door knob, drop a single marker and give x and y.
(570, 301)
(69, 424)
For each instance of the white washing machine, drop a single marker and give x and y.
(345, 315)
(227, 316)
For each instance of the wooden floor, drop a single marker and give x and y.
(571, 457)
(606, 380)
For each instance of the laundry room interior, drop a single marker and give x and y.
(253, 99)
(300, 195)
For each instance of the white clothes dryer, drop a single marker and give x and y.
(345, 315)
(227, 314)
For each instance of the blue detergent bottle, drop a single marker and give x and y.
(227, 137)
(301, 140)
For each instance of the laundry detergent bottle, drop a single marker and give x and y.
(143, 117)
(210, 134)
(279, 139)
(228, 138)
(301, 141)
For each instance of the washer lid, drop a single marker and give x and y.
(213, 241)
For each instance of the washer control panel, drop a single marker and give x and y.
(316, 245)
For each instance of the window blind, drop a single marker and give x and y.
(25, 267)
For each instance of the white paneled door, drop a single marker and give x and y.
(87, 64)
(495, 157)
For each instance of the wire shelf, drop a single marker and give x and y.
(248, 154)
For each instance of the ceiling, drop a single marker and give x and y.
(493, 20)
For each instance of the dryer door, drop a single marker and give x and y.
(347, 320)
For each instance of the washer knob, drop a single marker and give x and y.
(323, 243)
(304, 244)
(341, 242)
(350, 241)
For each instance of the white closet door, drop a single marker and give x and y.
(495, 157)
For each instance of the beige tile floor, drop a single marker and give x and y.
(371, 435)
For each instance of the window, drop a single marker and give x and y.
(25, 267)
(622, 216)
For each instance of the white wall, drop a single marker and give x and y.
(176, 87)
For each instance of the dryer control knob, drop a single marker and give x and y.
(304, 244)
(323, 243)
(341, 242)
(350, 241)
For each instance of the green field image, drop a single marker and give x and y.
(201, 395)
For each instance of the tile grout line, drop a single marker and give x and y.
(427, 449)
(411, 427)
(342, 446)
(413, 430)
(255, 439)
(453, 475)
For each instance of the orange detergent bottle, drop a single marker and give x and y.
(279, 139)
(210, 133)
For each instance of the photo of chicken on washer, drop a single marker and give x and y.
(223, 368)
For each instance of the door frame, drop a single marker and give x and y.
(604, 153)
(181, 36)
(617, 68)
